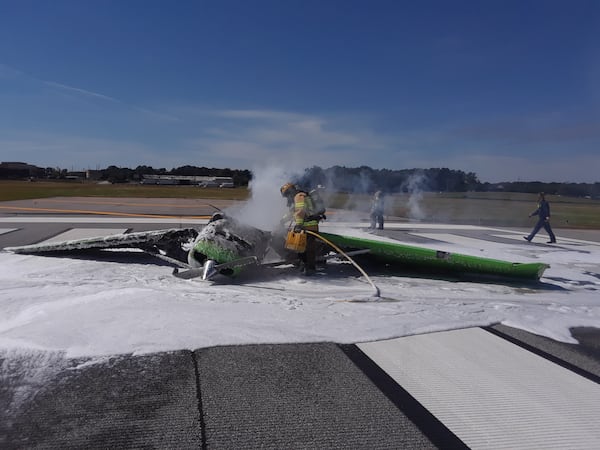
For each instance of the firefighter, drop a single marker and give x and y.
(306, 218)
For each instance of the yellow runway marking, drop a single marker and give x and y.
(101, 213)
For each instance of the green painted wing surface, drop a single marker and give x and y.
(435, 260)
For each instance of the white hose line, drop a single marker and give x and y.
(339, 250)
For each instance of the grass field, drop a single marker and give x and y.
(476, 208)
(20, 190)
(482, 208)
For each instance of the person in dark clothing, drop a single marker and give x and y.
(543, 213)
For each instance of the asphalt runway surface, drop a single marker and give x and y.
(309, 396)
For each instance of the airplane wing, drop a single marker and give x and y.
(165, 244)
(437, 261)
(225, 246)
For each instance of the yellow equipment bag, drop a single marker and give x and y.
(296, 241)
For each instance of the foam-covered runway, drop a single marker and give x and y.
(479, 387)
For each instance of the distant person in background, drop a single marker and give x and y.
(543, 213)
(377, 208)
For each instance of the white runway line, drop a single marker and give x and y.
(402, 225)
(493, 394)
(542, 239)
(519, 249)
(463, 241)
(6, 230)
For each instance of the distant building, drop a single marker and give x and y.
(220, 182)
(76, 176)
(93, 175)
(19, 170)
(225, 182)
(163, 179)
(196, 180)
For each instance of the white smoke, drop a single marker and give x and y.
(266, 206)
(414, 186)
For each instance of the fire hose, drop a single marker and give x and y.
(339, 250)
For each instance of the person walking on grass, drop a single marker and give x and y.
(543, 213)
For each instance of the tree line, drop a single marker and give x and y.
(365, 179)
(362, 179)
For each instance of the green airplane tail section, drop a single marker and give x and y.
(439, 261)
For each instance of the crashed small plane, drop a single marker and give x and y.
(225, 246)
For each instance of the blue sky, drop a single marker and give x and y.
(509, 90)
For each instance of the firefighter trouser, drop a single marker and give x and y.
(309, 256)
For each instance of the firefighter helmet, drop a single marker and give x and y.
(287, 189)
